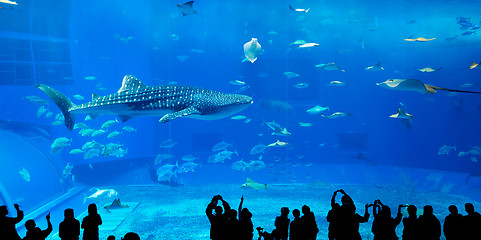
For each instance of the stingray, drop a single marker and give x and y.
(402, 115)
(474, 65)
(251, 184)
(419, 39)
(361, 156)
(116, 204)
(298, 9)
(328, 66)
(252, 49)
(428, 69)
(8, 2)
(415, 86)
(376, 67)
(187, 8)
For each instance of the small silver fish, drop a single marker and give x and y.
(169, 143)
(24, 174)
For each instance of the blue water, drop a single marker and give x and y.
(63, 44)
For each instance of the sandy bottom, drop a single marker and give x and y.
(179, 212)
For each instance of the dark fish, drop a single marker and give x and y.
(476, 26)
(411, 21)
(187, 8)
(462, 19)
(468, 33)
(361, 156)
(279, 106)
(451, 38)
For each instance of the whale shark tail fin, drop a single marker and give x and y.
(63, 102)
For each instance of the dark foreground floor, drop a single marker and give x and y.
(179, 213)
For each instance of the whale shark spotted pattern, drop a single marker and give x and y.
(136, 99)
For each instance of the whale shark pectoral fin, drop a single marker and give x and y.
(182, 113)
(124, 118)
(93, 116)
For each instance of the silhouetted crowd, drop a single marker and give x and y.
(69, 228)
(230, 224)
(344, 222)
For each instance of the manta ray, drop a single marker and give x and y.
(376, 67)
(298, 9)
(415, 86)
(474, 65)
(428, 69)
(329, 66)
(401, 114)
(187, 8)
(136, 99)
(252, 184)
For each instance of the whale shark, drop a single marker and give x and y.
(136, 99)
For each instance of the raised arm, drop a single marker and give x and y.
(365, 218)
(49, 229)
(343, 192)
(240, 205)
(399, 215)
(225, 205)
(210, 207)
(375, 208)
(19, 216)
(333, 199)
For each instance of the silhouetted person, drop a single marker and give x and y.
(69, 229)
(453, 224)
(384, 226)
(7, 224)
(246, 228)
(91, 223)
(332, 217)
(296, 231)
(111, 237)
(281, 232)
(232, 225)
(34, 232)
(310, 225)
(429, 225)
(264, 234)
(472, 223)
(347, 220)
(131, 236)
(217, 219)
(410, 223)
